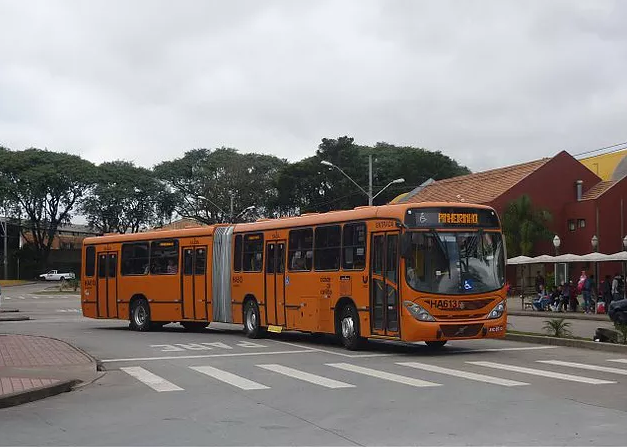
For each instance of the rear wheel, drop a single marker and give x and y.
(140, 316)
(252, 321)
(349, 331)
(436, 344)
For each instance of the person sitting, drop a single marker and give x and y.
(543, 300)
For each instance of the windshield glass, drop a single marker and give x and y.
(455, 263)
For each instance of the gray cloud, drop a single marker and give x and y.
(486, 82)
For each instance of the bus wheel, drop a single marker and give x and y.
(252, 322)
(140, 316)
(349, 328)
(436, 344)
(193, 326)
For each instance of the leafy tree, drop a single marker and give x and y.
(523, 226)
(125, 198)
(204, 183)
(308, 186)
(46, 187)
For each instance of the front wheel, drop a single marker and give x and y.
(436, 344)
(252, 321)
(349, 328)
(140, 316)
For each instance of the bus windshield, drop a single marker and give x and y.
(455, 263)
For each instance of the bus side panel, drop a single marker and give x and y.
(242, 285)
(301, 299)
(162, 292)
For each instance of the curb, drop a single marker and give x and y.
(571, 343)
(567, 316)
(23, 397)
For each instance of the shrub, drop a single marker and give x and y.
(622, 330)
(557, 327)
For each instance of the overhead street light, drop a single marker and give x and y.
(368, 193)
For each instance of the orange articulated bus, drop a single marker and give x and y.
(427, 272)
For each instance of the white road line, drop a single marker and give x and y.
(527, 348)
(231, 379)
(206, 356)
(382, 375)
(307, 377)
(333, 352)
(8, 298)
(542, 373)
(152, 380)
(606, 369)
(463, 374)
(618, 360)
(22, 298)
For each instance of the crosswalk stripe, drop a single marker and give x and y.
(463, 374)
(585, 366)
(382, 375)
(152, 380)
(307, 377)
(231, 379)
(618, 360)
(542, 373)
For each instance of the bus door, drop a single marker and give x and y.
(275, 282)
(384, 290)
(195, 283)
(107, 285)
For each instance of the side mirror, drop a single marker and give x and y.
(405, 245)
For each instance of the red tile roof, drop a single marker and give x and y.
(597, 190)
(480, 187)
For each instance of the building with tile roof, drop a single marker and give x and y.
(581, 203)
(608, 166)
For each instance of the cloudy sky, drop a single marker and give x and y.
(486, 82)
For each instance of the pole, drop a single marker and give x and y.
(5, 256)
(370, 180)
(232, 197)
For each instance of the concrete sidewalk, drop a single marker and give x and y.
(515, 307)
(34, 367)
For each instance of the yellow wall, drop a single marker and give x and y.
(604, 165)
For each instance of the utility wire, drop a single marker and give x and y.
(605, 148)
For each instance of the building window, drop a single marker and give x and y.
(581, 223)
(571, 225)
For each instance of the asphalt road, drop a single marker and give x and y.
(174, 387)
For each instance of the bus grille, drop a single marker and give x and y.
(460, 317)
(461, 330)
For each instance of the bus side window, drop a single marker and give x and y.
(90, 261)
(237, 255)
(135, 258)
(300, 250)
(354, 246)
(253, 252)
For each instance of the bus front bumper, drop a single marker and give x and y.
(414, 330)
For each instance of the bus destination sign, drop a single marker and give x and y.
(450, 217)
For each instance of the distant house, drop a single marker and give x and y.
(186, 222)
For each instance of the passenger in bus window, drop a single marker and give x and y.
(172, 267)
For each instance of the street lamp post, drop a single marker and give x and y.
(5, 257)
(368, 193)
(595, 245)
(556, 244)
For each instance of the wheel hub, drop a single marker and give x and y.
(348, 327)
(251, 320)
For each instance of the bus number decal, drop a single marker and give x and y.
(445, 304)
(386, 224)
(238, 279)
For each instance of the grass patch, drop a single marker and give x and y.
(13, 282)
(536, 334)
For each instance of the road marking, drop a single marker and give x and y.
(22, 298)
(618, 360)
(8, 298)
(382, 375)
(231, 379)
(542, 373)
(206, 356)
(463, 374)
(333, 352)
(152, 380)
(585, 366)
(307, 377)
(527, 348)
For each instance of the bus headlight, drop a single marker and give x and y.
(497, 312)
(418, 312)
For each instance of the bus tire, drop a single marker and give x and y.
(140, 316)
(436, 344)
(348, 330)
(252, 321)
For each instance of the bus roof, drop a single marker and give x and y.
(391, 211)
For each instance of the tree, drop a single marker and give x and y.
(206, 182)
(46, 187)
(523, 226)
(125, 198)
(308, 186)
